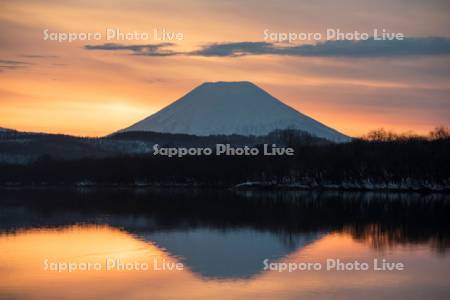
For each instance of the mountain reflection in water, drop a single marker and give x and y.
(222, 238)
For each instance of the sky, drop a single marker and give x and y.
(95, 87)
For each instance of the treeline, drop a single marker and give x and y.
(379, 158)
(24, 147)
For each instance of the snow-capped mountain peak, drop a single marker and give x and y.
(226, 108)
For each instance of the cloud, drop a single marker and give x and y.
(38, 56)
(362, 48)
(235, 49)
(147, 50)
(12, 64)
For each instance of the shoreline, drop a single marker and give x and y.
(246, 186)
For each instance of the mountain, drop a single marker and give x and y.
(2, 130)
(18, 147)
(226, 108)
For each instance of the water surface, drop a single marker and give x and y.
(221, 238)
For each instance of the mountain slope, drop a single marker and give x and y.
(231, 108)
(2, 129)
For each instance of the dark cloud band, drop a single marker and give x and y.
(363, 48)
(148, 50)
(12, 64)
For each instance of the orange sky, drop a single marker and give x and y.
(64, 88)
